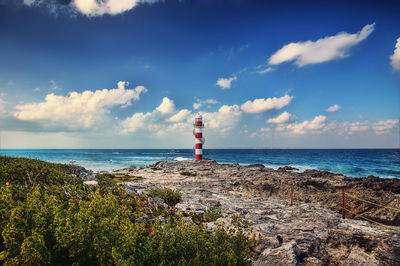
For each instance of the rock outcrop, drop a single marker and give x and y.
(309, 232)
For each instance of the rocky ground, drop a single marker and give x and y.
(309, 232)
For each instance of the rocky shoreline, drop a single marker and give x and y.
(309, 232)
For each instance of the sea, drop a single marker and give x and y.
(350, 162)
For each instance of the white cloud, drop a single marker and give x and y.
(111, 7)
(314, 126)
(266, 70)
(322, 50)
(378, 128)
(263, 105)
(356, 127)
(79, 109)
(199, 103)
(167, 106)
(161, 120)
(320, 124)
(182, 115)
(395, 58)
(383, 127)
(225, 83)
(226, 118)
(283, 118)
(333, 108)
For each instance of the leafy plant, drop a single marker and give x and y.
(57, 220)
(169, 196)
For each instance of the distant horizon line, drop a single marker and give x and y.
(394, 148)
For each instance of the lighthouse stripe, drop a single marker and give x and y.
(198, 130)
(198, 141)
(198, 146)
(198, 135)
(198, 157)
(199, 151)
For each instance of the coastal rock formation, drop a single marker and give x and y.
(83, 173)
(309, 232)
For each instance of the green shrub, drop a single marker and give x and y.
(58, 222)
(169, 196)
(212, 214)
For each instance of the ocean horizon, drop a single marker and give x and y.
(350, 162)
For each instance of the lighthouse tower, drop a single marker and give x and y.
(198, 134)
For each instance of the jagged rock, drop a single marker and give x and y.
(359, 257)
(84, 174)
(283, 255)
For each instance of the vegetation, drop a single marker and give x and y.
(48, 216)
(213, 214)
(169, 196)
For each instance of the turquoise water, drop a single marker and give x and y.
(350, 162)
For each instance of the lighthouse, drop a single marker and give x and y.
(198, 134)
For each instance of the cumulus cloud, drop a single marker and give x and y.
(378, 128)
(314, 126)
(182, 115)
(162, 119)
(283, 118)
(383, 127)
(226, 118)
(322, 50)
(333, 108)
(159, 122)
(320, 124)
(79, 109)
(111, 7)
(89, 8)
(167, 106)
(199, 103)
(225, 83)
(395, 58)
(356, 127)
(263, 105)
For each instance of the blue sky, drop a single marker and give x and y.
(264, 74)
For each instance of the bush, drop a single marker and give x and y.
(169, 196)
(58, 223)
(212, 214)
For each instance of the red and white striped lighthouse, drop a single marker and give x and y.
(198, 134)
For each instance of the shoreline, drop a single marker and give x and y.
(350, 162)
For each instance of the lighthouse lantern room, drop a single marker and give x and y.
(198, 134)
